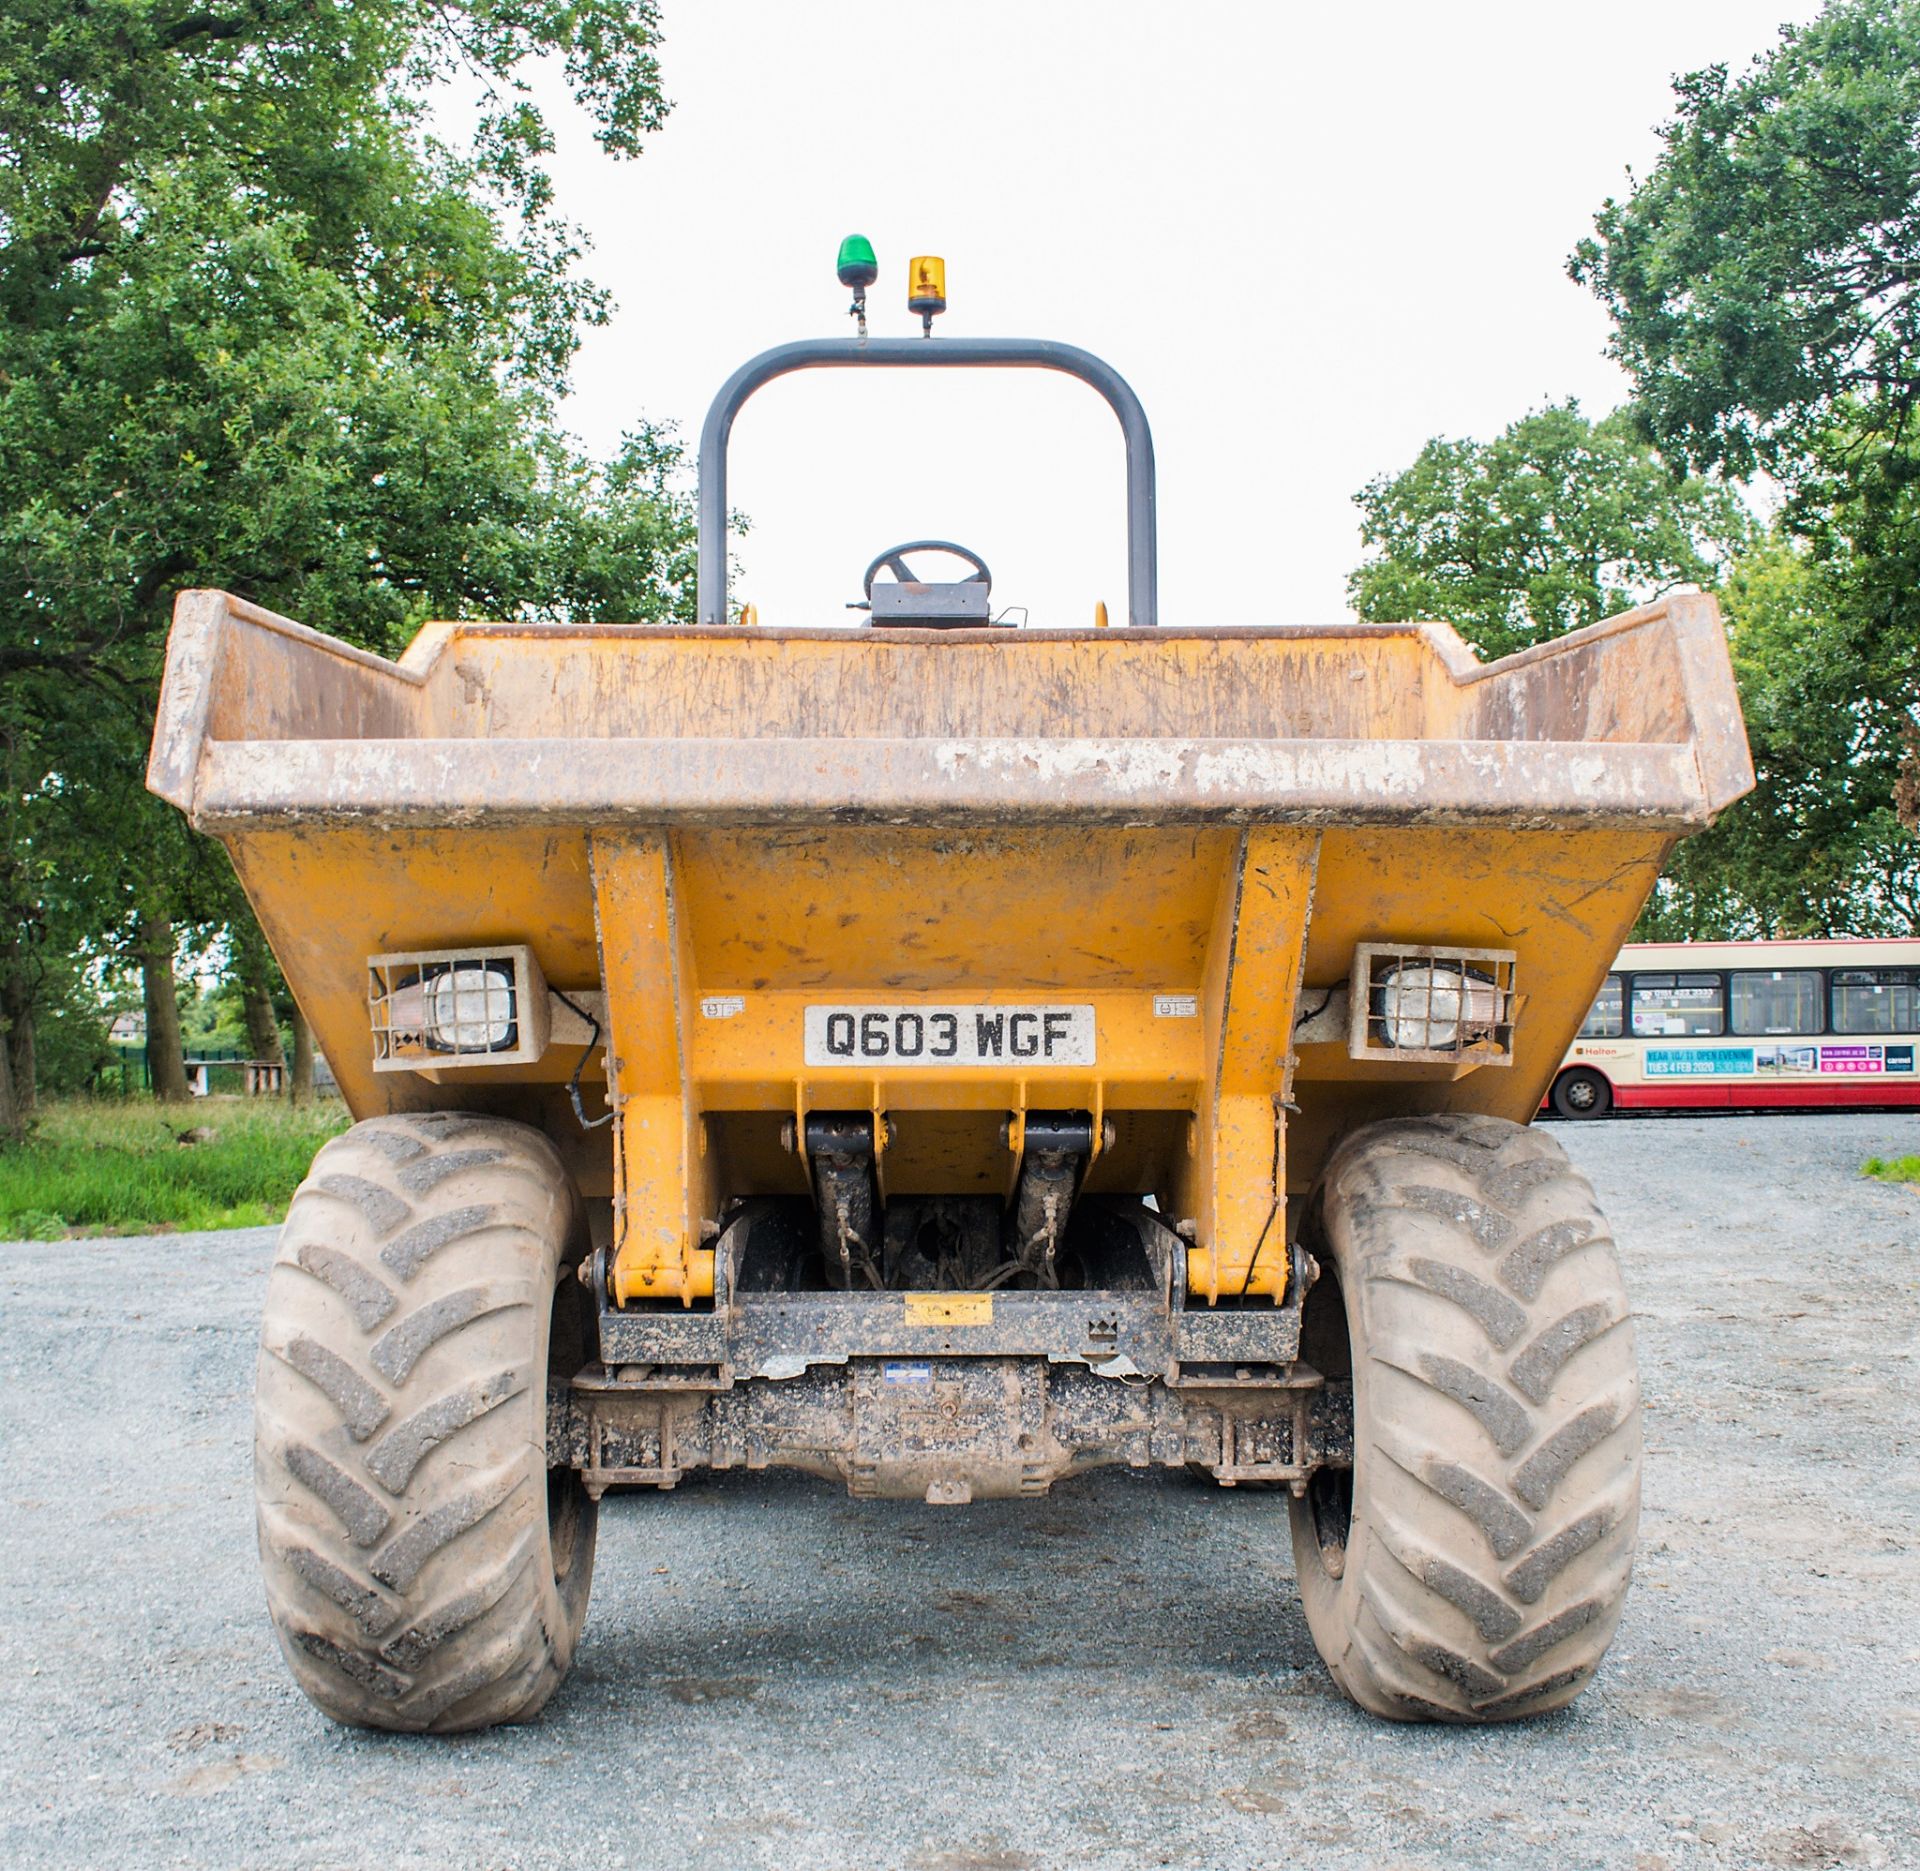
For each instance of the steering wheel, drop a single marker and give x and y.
(894, 561)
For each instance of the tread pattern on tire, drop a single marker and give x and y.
(400, 1456)
(1497, 1489)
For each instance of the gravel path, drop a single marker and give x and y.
(1115, 1676)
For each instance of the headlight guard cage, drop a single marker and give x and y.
(1464, 999)
(403, 1044)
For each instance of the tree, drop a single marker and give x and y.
(1556, 523)
(320, 110)
(257, 979)
(1817, 848)
(1768, 271)
(1764, 281)
(262, 331)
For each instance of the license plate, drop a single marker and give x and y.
(923, 1036)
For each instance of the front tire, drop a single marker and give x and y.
(425, 1570)
(1472, 1565)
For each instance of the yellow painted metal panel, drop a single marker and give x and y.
(664, 1183)
(1234, 1184)
(1073, 818)
(948, 1118)
(949, 1308)
(1016, 910)
(495, 681)
(752, 1059)
(1563, 900)
(330, 896)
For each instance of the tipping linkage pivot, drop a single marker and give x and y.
(840, 1153)
(1056, 1148)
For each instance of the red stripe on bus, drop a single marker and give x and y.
(1854, 1094)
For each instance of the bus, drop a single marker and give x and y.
(1748, 1026)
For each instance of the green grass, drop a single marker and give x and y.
(119, 1167)
(1892, 1169)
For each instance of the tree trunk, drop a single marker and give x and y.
(302, 1058)
(18, 916)
(263, 1030)
(253, 964)
(16, 1016)
(13, 1123)
(23, 1064)
(166, 1059)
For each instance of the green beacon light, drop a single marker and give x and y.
(856, 266)
(858, 269)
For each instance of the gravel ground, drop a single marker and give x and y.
(1115, 1676)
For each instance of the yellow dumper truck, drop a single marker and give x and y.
(945, 1057)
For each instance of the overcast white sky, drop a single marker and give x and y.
(1310, 236)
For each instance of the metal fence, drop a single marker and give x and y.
(208, 1073)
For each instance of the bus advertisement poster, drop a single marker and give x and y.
(1864, 1059)
(1699, 1061)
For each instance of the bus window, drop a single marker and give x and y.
(1778, 1001)
(1606, 1018)
(1875, 1000)
(1689, 1006)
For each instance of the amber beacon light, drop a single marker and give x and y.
(927, 289)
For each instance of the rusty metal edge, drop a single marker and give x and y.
(1469, 669)
(1462, 664)
(432, 639)
(425, 783)
(1713, 701)
(194, 648)
(203, 621)
(217, 784)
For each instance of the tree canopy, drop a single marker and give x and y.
(1555, 523)
(1767, 272)
(1817, 848)
(262, 330)
(1764, 282)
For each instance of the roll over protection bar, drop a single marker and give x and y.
(930, 353)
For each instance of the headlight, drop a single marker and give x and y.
(1421, 1003)
(458, 1007)
(465, 1008)
(1437, 1006)
(469, 1008)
